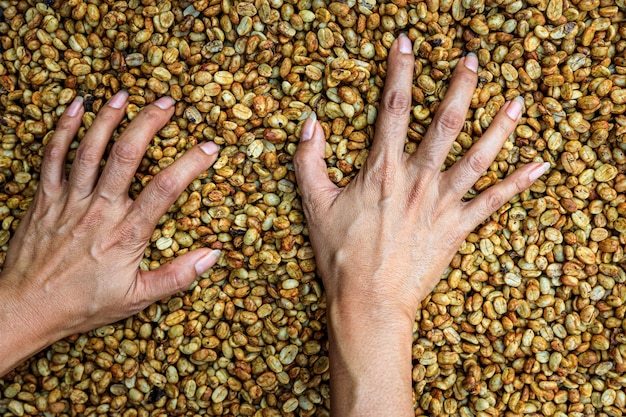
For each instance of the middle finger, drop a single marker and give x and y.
(393, 118)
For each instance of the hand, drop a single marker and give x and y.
(382, 243)
(73, 264)
(387, 237)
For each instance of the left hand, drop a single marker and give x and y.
(74, 260)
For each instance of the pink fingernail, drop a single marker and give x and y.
(210, 148)
(309, 127)
(207, 261)
(404, 44)
(471, 62)
(515, 108)
(118, 100)
(165, 103)
(75, 107)
(538, 172)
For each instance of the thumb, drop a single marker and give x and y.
(175, 276)
(309, 163)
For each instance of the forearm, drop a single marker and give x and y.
(370, 360)
(21, 328)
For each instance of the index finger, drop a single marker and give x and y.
(167, 185)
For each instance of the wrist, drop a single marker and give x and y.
(373, 312)
(368, 299)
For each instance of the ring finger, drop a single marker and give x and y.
(449, 118)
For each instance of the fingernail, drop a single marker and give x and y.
(538, 172)
(515, 108)
(210, 148)
(165, 103)
(309, 127)
(404, 44)
(118, 100)
(75, 107)
(207, 261)
(471, 62)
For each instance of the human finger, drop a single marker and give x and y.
(175, 276)
(449, 118)
(168, 184)
(129, 149)
(86, 165)
(490, 200)
(309, 164)
(53, 165)
(462, 175)
(395, 106)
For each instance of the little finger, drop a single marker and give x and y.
(462, 175)
(490, 200)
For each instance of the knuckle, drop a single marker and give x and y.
(520, 184)
(383, 172)
(503, 126)
(387, 174)
(466, 79)
(106, 117)
(152, 115)
(47, 193)
(396, 102)
(404, 64)
(54, 152)
(502, 130)
(455, 236)
(65, 124)
(428, 157)
(41, 204)
(493, 201)
(91, 221)
(126, 153)
(382, 178)
(180, 279)
(449, 121)
(88, 154)
(165, 184)
(477, 162)
(130, 236)
(314, 209)
(193, 162)
(299, 159)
